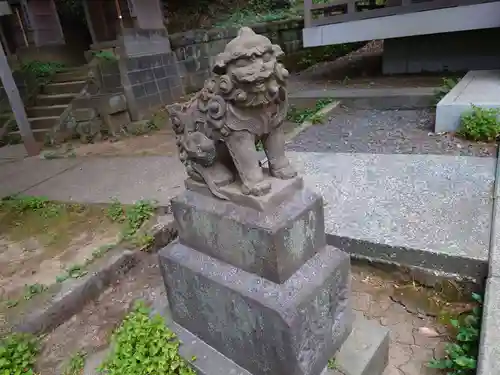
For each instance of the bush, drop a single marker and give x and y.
(144, 346)
(480, 124)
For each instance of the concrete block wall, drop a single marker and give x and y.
(148, 71)
(195, 50)
(453, 52)
(109, 76)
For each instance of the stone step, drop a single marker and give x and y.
(69, 76)
(365, 98)
(46, 122)
(45, 100)
(40, 135)
(43, 111)
(478, 87)
(430, 212)
(365, 351)
(73, 87)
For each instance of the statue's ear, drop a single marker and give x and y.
(277, 50)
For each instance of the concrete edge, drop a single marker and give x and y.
(366, 350)
(75, 294)
(488, 360)
(425, 266)
(455, 92)
(378, 98)
(325, 111)
(489, 344)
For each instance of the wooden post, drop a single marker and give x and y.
(90, 24)
(16, 103)
(307, 13)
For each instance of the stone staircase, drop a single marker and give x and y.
(54, 99)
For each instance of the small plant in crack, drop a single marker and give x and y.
(461, 355)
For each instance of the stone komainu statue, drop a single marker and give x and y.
(244, 102)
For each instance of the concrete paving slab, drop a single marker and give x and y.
(128, 179)
(478, 87)
(428, 211)
(12, 152)
(19, 176)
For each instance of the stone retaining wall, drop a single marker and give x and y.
(195, 50)
(153, 68)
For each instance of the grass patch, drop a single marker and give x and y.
(18, 354)
(299, 115)
(143, 345)
(461, 354)
(480, 124)
(132, 217)
(53, 224)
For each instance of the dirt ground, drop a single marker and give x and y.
(36, 248)
(416, 334)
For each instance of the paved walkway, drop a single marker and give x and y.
(417, 209)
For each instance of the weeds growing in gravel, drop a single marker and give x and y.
(461, 355)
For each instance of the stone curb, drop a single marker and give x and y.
(324, 112)
(427, 267)
(370, 98)
(489, 344)
(74, 294)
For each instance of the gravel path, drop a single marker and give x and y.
(384, 132)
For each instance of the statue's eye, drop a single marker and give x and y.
(241, 63)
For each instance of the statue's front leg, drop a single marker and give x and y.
(279, 165)
(241, 146)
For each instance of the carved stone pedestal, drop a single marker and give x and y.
(260, 287)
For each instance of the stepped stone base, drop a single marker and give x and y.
(267, 328)
(368, 344)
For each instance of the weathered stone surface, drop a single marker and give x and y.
(366, 351)
(245, 101)
(280, 191)
(267, 328)
(84, 114)
(113, 104)
(117, 122)
(272, 244)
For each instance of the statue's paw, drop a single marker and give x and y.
(257, 189)
(284, 173)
